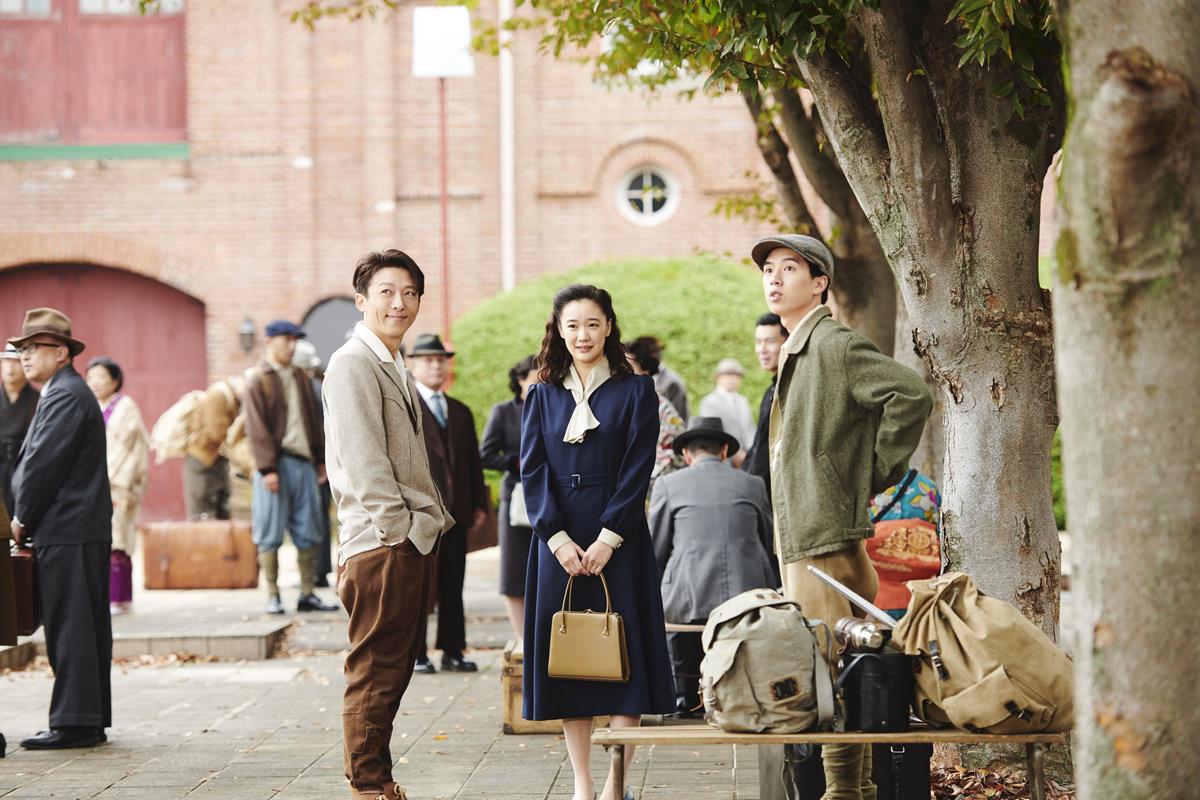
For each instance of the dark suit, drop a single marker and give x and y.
(458, 473)
(63, 500)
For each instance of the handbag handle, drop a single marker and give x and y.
(562, 628)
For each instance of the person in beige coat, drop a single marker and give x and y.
(390, 511)
(128, 465)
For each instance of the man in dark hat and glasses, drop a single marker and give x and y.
(63, 509)
(711, 527)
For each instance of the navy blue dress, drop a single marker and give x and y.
(612, 468)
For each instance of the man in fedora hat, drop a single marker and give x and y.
(711, 527)
(64, 509)
(17, 404)
(458, 472)
(288, 441)
(844, 423)
(727, 402)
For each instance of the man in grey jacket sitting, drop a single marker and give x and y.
(712, 533)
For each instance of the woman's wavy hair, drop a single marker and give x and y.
(554, 360)
(519, 370)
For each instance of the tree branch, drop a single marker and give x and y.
(775, 153)
(822, 170)
(849, 115)
(920, 166)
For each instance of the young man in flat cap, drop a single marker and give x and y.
(288, 442)
(63, 507)
(390, 511)
(458, 472)
(844, 424)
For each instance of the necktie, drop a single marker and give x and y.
(437, 404)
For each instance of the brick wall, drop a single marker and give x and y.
(308, 149)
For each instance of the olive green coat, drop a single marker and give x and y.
(844, 424)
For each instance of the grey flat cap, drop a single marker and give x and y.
(813, 250)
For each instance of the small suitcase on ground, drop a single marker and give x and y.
(25, 588)
(206, 554)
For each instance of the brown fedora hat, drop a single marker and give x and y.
(47, 322)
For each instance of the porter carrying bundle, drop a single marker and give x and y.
(981, 665)
(763, 671)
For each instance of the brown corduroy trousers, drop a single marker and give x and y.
(386, 591)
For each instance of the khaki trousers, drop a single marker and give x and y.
(386, 591)
(847, 766)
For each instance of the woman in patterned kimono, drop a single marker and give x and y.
(588, 443)
(128, 462)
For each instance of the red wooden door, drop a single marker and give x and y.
(92, 72)
(154, 332)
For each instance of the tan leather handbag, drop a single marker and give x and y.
(588, 645)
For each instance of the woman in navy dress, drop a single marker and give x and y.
(588, 441)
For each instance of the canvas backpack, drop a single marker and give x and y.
(237, 444)
(173, 430)
(763, 671)
(981, 665)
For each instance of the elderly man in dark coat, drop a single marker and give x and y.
(64, 508)
(712, 532)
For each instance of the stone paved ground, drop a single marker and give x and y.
(251, 730)
(270, 729)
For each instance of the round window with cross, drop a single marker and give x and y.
(647, 195)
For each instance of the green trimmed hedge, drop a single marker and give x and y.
(702, 308)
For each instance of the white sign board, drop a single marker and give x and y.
(442, 42)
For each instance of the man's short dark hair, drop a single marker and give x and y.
(712, 447)
(371, 263)
(773, 319)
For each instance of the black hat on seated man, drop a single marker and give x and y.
(812, 250)
(282, 327)
(48, 322)
(429, 344)
(710, 428)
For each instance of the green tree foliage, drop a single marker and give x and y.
(702, 308)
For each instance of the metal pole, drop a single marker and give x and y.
(445, 203)
(1035, 765)
(508, 200)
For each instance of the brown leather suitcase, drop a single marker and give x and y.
(28, 618)
(206, 554)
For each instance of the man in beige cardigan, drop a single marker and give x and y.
(390, 511)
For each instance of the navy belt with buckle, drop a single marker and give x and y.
(576, 481)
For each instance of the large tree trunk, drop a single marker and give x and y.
(1127, 321)
(931, 452)
(951, 182)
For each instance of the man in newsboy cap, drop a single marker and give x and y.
(287, 437)
(63, 509)
(844, 423)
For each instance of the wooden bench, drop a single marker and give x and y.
(617, 739)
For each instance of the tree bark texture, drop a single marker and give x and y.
(931, 452)
(951, 181)
(1127, 321)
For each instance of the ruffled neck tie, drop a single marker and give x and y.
(582, 419)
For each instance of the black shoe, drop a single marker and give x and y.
(457, 663)
(424, 666)
(310, 602)
(322, 582)
(64, 738)
(274, 605)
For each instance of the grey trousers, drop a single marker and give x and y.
(72, 584)
(206, 489)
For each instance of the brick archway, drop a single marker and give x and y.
(124, 253)
(155, 331)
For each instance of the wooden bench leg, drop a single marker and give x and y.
(1035, 761)
(618, 767)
